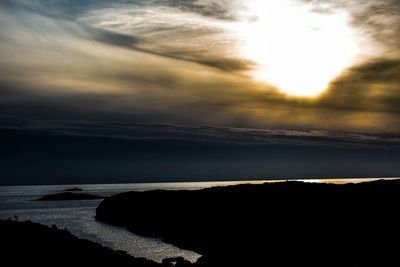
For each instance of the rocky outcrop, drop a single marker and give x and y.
(69, 196)
(73, 189)
(280, 224)
(31, 244)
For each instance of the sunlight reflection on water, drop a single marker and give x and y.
(78, 216)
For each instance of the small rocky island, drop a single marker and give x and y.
(273, 224)
(69, 196)
(280, 224)
(73, 189)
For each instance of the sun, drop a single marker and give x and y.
(295, 49)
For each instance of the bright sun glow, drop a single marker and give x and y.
(296, 50)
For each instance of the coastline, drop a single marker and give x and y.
(29, 243)
(237, 244)
(291, 218)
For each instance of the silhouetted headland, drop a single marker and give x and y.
(69, 196)
(32, 244)
(278, 224)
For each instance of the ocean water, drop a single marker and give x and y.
(78, 216)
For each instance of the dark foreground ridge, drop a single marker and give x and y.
(280, 224)
(32, 244)
(69, 196)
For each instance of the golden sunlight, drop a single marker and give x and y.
(295, 49)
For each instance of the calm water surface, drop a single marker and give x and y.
(78, 216)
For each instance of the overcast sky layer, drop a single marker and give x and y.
(155, 90)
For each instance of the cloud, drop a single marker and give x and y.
(373, 86)
(220, 9)
(172, 31)
(93, 151)
(378, 19)
(132, 90)
(204, 133)
(172, 61)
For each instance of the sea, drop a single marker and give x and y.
(77, 216)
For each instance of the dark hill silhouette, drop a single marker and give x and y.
(279, 224)
(69, 196)
(32, 244)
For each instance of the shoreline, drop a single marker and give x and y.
(221, 221)
(29, 243)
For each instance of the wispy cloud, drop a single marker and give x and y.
(100, 151)
(379, 19)
(204, 133)
(178, 61)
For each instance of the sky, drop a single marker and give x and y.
(187, 90)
